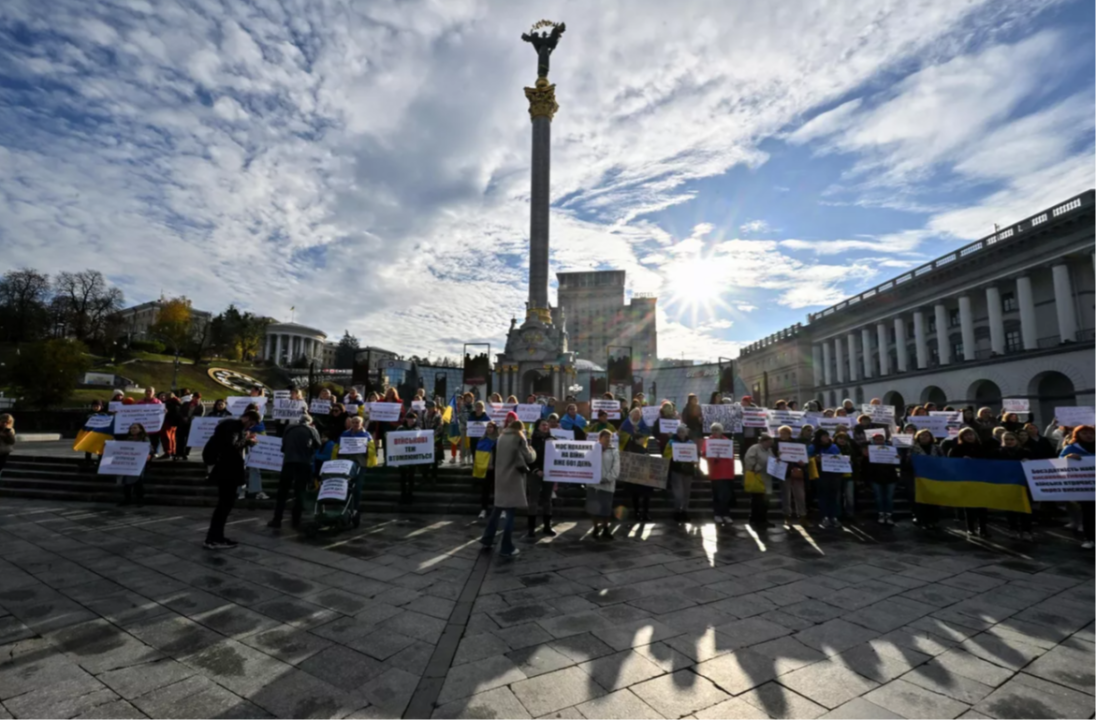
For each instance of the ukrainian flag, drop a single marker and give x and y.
(93, 437)
(961, 482)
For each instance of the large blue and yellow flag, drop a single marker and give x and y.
(961, 482)
(93, 437)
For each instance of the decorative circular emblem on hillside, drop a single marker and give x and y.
(234, 380)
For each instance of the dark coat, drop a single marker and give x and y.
(225, 452)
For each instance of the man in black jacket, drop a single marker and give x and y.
(225, 453)
(299, 444)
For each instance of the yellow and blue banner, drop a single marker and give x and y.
(93, 437)
(962, 482)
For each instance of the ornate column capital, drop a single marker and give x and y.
(542, 99)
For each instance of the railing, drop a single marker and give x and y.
(1083, 200)
(776, 337)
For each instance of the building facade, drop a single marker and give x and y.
(1008, 316)
(778, 367)
(287, 343)
(599, 318)
(137, 320)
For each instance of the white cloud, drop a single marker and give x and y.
(745, 307)
(755, 227)
(825, 124)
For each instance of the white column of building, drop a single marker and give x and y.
(996, 321)
(816, 358)
(827, 364)
(854, 365)
(901, 350)
(278, 349)
(966, 326)
(865, 349)
(920, 343)
(1026, 300)
(839, 360)
(266, 347)
(943, 347)
(884, 356)
(1063, 303)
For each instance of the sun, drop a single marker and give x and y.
(694, 285)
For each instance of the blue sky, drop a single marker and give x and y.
(368, 163)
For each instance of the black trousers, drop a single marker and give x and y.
(487, 486)
(226, 498)
(295, 475)
(976, 518)
(1088, 519)
(759, 508)
(407, 483)
(641, 499)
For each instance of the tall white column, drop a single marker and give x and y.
(1026, 300)
(920, 343)
(943, 347)
(966, 325)
(839, 359)
(854, 365)
(996, 321)
(865, 349)
(816, 358)
(1063, 303)
(901, 350)
(827, 361)
(884, 354)
(278, 349)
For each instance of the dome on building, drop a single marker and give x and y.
(295, 328)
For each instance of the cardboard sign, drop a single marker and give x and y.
(150, 417)
(384, 411)
(201, 430)
(935, 424)
(338, 467)
(777, 468)
(237, 404)
(124, 457)
(571, 461)
(792, 452)
(611, 407)
(729, 415)
(1020, 406)
(529, 413)
(333, 489)
(836, 464)
(753, 417)
(477, 428)
(650, 414)
(646, 470)
(561, 434)
(320, 407)
(883, 455)
(718, 448)
(899, 440)
(99, 422)
(353, 445)
(286, 409)
(409, 447)
(668, 426)
(684, 452)
(266, 453)
(115, 405)
(498, 412)
(1075, 416)
(1060, 479)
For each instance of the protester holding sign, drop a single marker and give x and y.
(795, 479)
(253, 489)
(300, 441)
(829, 484)
(512, 458)
(538, 493)
(150, 399)
(926, 516)
(718, 450)
(191, 409)
(133, 486)
(364, 459)
(682, 471)
(882, 478)
(757, 481)
(1082, 443)
(1010, 449)
(599, 496)
(967, 445)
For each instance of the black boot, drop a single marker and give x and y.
(532, 533)
(548, 526)
(127, 495)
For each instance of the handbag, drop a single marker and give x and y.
(795, 473)
(753, 482)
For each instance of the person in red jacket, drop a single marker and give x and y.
(721, 475)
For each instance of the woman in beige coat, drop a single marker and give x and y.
(512, 458)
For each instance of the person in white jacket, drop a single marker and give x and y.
(599, 497)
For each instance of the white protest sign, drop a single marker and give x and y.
(571, 461)
(935, 424)
(880, 412)
(237, 404)
(561, 434)
(869, 433)
(99, 422)
(418, 406)
(1060, 479)
(832, 424)
(124, 457)
(683, 452)
(883, 455)
(1020, 406)
(286, 409)
(266, 453)
(352, 408)
(150, 417)
(836, 464)
(409, 447)
(753, 417)
(954, 417)
(477, 428)
(384, 411)
(333, 489)
(201, 430)
(338, 467)
(791, 418)
(498, 411)
(792, 452)
(281, 394)
(668, 426)
(900, 440)
(611, 408)
(529, 412)
(353, 445)
(1075, 416)
(776, 468)
(614, 441)
(320, 407)
(115, 405)
(650, 414)
(718, 448)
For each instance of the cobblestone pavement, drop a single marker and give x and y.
(111, 613)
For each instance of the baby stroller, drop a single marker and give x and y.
(335, 508)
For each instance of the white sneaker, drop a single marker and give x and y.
(890, 519)
(825, 524)
(836, 524)
(719, 520)
(882, 519)
(1087, 545)
(241, 494)
(482, 515)
(262, 496)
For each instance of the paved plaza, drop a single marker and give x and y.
(111, 613)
